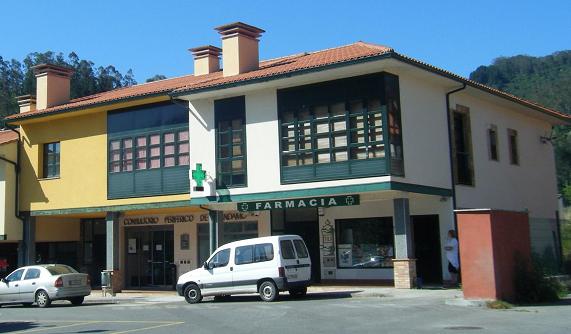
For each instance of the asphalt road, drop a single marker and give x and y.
(317, 313)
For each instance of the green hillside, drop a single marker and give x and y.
(546, 80)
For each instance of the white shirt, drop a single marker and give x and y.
(451, 248)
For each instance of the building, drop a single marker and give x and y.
(363, 151)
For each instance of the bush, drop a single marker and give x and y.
(532, 285)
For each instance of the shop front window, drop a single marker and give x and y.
(365, 243)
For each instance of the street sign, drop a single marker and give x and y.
(308, 202)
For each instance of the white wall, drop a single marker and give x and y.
(529, 186)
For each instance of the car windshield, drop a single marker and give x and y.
(60, 269)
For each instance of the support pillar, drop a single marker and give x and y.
(112, 249)
(213, 230)
(404, 262)
(27, 247)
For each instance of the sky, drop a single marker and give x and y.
(153, 37)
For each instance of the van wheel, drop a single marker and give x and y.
(43, 299)
(268, 291)
(192, 294)
(298, 292)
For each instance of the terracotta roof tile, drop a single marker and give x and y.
(269, 68)
(7, 136)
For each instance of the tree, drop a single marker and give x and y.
(156, 77)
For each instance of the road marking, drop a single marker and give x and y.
(57, 327)
(151, 327)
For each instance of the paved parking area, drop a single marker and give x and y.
(339, 311)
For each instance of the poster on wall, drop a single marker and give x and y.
(345, 252)
(132, 246)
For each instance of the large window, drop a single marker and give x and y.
(365, 243)
(148, 151)
(462, 147)
(51, 157)
(340, 129)
(230, 142)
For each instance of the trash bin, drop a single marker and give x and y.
(107, 282)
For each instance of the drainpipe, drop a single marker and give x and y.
(450, 153)
(16, 165)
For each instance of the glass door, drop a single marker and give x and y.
(150, 256)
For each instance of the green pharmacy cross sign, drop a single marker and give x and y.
(199, 176)
(309, 202)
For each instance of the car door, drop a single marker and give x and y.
(289, 260)
(303, 260)
(29, 284)
(10, 288)
(218, 277)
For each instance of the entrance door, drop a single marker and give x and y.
(426, 232)
(150, 256)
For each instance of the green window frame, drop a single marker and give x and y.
(155, 149)
(231, 169)
(334, 132)
(51, 160)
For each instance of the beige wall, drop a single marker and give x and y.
(9, 224)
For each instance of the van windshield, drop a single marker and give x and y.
(300, 249)
(287, 249)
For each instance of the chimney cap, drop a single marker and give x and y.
(51, 68)
(204, 50)
(240, 28)
(26, 99)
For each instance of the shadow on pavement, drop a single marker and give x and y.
(286, 297)
(566, 301)
(13, 326)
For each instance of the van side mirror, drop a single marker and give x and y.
(205, 265)
(4, 280)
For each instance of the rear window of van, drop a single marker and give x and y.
(300, 249)
(287, 249)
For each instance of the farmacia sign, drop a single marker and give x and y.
(309, 202)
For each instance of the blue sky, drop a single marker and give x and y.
(152, 37)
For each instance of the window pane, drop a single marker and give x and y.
(141, 141)
(237, 165)
(115, 145)
(340, 140)
(115, 167)
(320, 112)
(289, 160)
(356, 107)
(236, 137)
(127, 143)
(183, 136)
(128, 153)
(365, 243)
(263, 252)
(142, 152)
(244, 255)
(155, 139)
(141, 164)
(306, 159)
(155, 163)
(300, 249)
(224, 151)
(358, 153)
(184, 160)
(169, 149)
(340, 155)
(169, 161)
(169, 137)
(236, 124)
(183, 148)
(338, 109)
(128, 165)
(155, 151)
(287, 251)
(236, 150)
(374, 105)
(323, 142)
(323, 157)
(115, 156)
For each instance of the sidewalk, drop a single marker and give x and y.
(389, 293)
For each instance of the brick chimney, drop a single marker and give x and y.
(239, 48)
(52, 85)
(26, 103)
(206, 59)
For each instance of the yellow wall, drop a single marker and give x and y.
(83, 162)
(9, 224)
(57, 229)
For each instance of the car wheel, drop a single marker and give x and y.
(268, 291)
(76, 301)
(192, 294)
(43, 299)
(298, 292)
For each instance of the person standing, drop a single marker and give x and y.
(451, 248)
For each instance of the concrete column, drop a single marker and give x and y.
(112, 249)
(213, 230)
(27, 247)
(403, 229)
(404, 262)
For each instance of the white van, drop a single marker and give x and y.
(265, 265)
